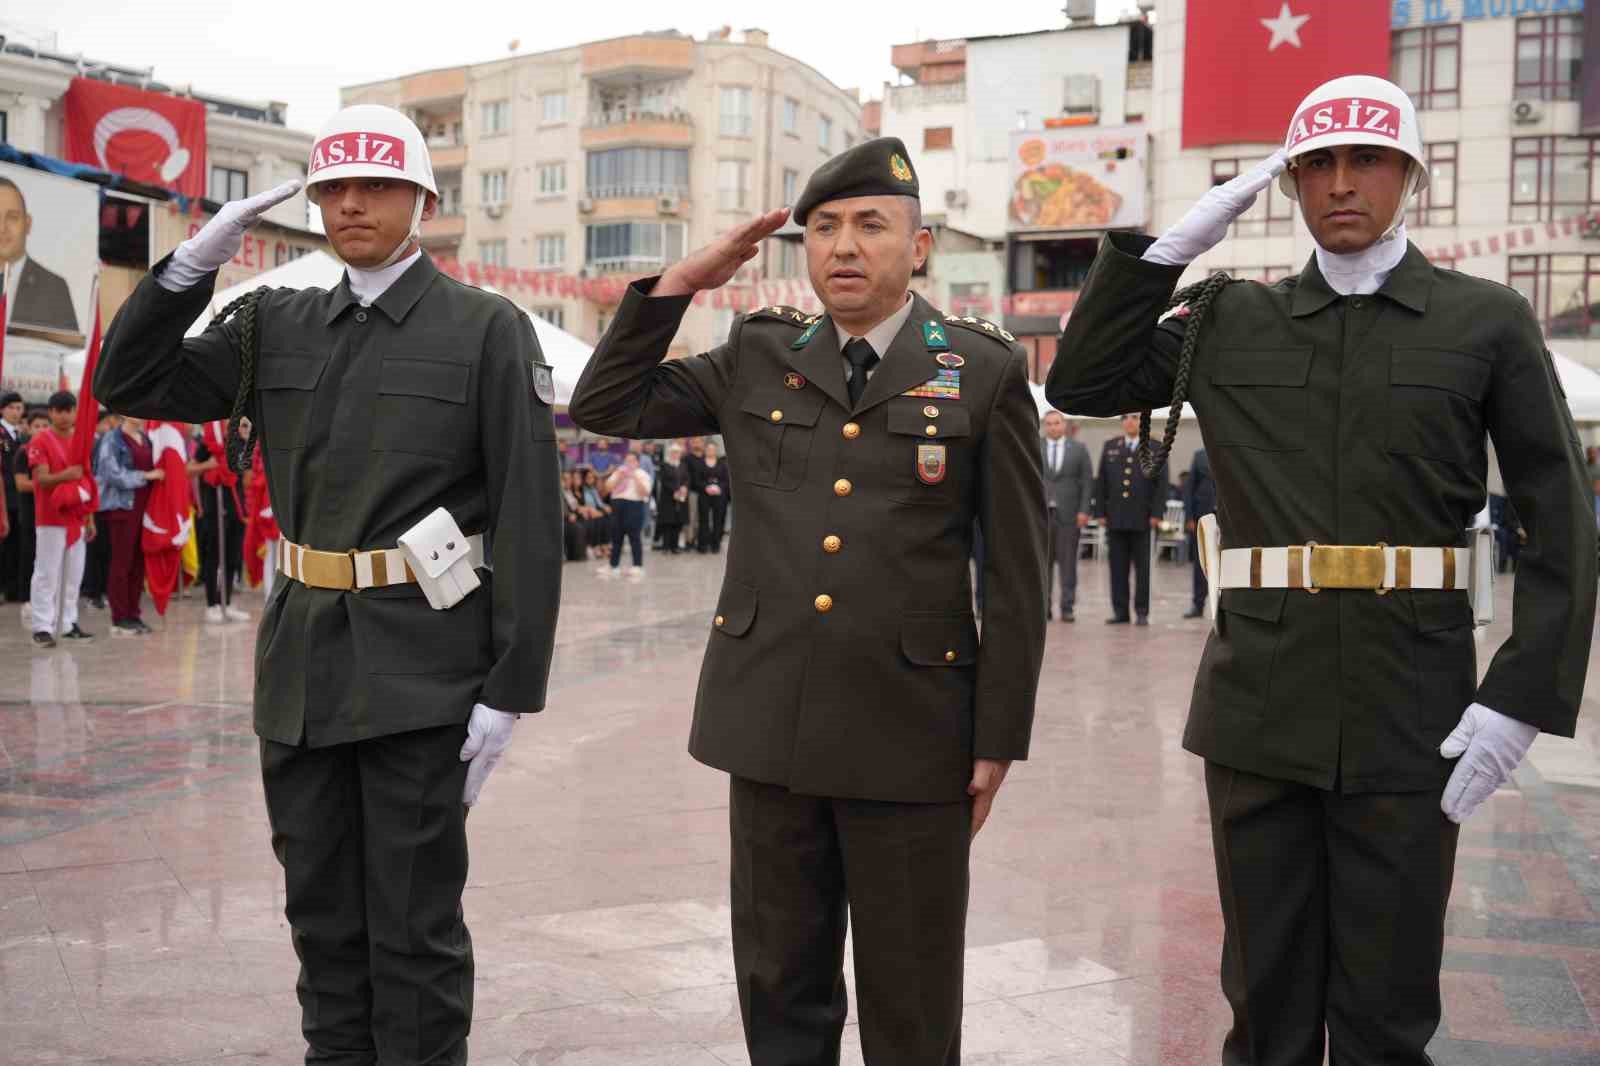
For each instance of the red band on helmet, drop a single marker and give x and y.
(1352, 114)
(377, 149)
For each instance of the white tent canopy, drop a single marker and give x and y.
(1582, 387)
(565, 353)
(1160, 415)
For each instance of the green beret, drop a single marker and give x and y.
(880, 167)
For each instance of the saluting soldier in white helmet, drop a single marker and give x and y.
(1338, 707)
(409, 450)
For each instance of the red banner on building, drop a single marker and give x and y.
(146, 136)
(1247, 63)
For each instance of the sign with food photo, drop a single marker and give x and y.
(1081, 178)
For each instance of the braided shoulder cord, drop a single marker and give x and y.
(1199, 298)
(241, 453)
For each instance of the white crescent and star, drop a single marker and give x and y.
(1285, 28)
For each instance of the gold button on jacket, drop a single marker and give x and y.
(831, 544)
(824, 603)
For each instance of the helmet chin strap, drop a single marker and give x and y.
(415, 233)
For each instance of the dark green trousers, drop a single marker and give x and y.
(801, 864)
(1333, 910)
(372, 838)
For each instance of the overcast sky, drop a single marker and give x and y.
(302, 51)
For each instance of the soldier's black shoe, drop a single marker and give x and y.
(43, 640)
(1194, 612)
(1143, 620)
(1067, 616)
(1117, 620)
(76, 633)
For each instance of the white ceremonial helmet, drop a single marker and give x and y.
(372, 141)
(1358, 109)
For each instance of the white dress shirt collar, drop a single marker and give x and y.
(368, 285)
(883, 334)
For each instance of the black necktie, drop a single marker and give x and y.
(862, 359)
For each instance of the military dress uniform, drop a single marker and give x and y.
(369, 419)
(1126, 500)
(1355, 420)
(1199, 500)
(845, 687)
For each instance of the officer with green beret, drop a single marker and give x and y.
(864, 722)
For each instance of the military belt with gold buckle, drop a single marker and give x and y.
(344, 571)
(1371, 567)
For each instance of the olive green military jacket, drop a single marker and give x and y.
(370, 418)
(1357, 420)
(844, 659)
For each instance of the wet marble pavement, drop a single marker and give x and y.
(141, 908)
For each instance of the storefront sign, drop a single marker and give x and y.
(1084, 179)
(266, 246)
(1407, 13)
(1046, 303)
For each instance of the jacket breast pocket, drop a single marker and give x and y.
(928, 450)
(287, 384)
(1258, 398)
(777, 433)
(1436, 404)
(423, 408)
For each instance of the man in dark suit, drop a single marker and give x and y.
(1131, 506)
(11, 432)
(1068, 489)
(34, 295)
(865, 726)
(1199, 500)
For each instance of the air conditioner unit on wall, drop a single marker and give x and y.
(494, 210)
(585, 206)
(1526, 112)
(668, 205)
(1081, 94)
(1589, 228)
(955, 198)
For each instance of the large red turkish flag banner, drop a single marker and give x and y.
(1247, 63)
(146, 136)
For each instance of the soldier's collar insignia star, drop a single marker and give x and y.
(933, 335)
(805, 338)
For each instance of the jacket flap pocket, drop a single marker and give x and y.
(1265, 366)
(290, 372)
(1439, 368)
(428, 378)
(939, 639)
(736, 609)
(785, 407)
(915, 417)
(1440, 610)
(1264, 605)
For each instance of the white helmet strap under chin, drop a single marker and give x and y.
(412, 236)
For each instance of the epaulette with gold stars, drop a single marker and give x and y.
(978, 325)
(791, 315)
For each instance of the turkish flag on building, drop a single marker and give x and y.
(1247, 63)
(146, 136)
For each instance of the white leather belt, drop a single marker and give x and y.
(1376, 567)
(355, 570)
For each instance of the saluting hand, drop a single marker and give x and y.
(715, 265)
(219, 240)
(987, 777)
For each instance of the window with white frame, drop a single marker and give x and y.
(496, 117)
(450, 199)
(791, 186)
(791, 259)
(824, 132)
(552, 179)
(492, 253)
(733, 183)
(627, 246)
(550, 251)
(556, 316)
(494, 186)
(553, 107)
(736, 111)
(229, 184)
(791, 116)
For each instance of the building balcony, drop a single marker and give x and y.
(614, 129)
(622, 206)
(627, 265)
(449, 156)
(915, 60)
(912, 97)
(444, 229)
(631, 58)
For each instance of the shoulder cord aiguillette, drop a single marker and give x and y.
(241, 453)
(1199, 298)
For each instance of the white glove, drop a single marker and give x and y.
(488, 736)
(1491, 746)
(1207, 222)
(220, 239)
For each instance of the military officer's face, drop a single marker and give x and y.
(1055, 426)
(1130, 425)
(1349, 194)
(366, 219)
(861, 252)
(15, 223)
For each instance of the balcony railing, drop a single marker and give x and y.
(621, 116)
(634, 264)
(636, 192)
(902, 97)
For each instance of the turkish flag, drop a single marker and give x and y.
(1247, 63)
(146, 136)
(168, 524)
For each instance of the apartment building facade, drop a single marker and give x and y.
(564, 174)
